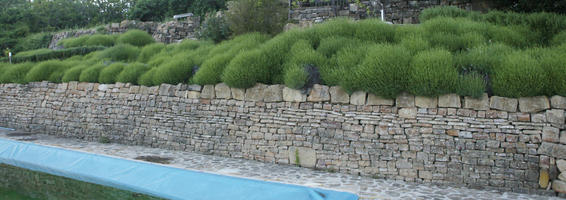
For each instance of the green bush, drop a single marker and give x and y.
(329, 46)
(295, 76)
(268, 16)
(159, 60)
(409, 31)
(74, 41)
(415, 44)
(46, 54)
(559, 39)
(342, 63)
(121, 52)
(520, 75)
(186, 45)
(137, 38)
(33, 52)
(174, 72)
(15, 73)
(211, 70)
(472, 85)
(74, 73)
(214, 28)
(147, 77)
(432, 73)
(554, 63)
(42, 71)
(90, 74)
(149, 51)
(385, 73)
(57, 75)
(443, 11)
(100, 40)
(109, 74)
(301, 55)
(338, 27)
(482, 59)
(35, 41)
(131, 73)
(374, 30)
(247, 69)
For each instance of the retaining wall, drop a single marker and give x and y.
(492, 142)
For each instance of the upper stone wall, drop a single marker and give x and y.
(493, 142)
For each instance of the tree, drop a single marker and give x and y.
(264, 16)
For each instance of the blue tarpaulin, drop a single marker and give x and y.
(152, 179)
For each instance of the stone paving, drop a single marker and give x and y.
(365, 187)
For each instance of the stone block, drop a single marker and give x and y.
(449, 101)
(550, 134)
(405, 100)
(208, 92)
(338, 95)
(238, 93)
(222, 91)
(358, 98)
(562, 176)
(292, 95)
(477, 104)
(256, 93)
(164, 89)
(503, 103)
(561, 165)
(374, 100)
(306, 157)
(425, 174)
(559, 186)
(194, 88)
(543, 178)
(426, 102)
(193, 95)
(409, 113)
(533, 104)
(553, 150)
(103, 87)
(274, 93)
(319, 93)
(558, 102)
(555, 116)
(563, 137)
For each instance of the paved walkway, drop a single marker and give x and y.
(365, 187)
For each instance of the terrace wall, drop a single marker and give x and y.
(492, 142)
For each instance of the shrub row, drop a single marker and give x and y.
(133, 37)
(46, 54)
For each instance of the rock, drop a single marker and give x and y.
(553, 150)
(449, 101)
(453, 132)
(559, 186)
(562, 176)
(358, 98)
(274, 93)
(222, 91)
(477, 104)
(194, 88)
(256, 93)
(193, 95)
(238, 93)
(319, 93)
(338, 95)
(208, 92)
(563, 137)
(543, 178)
(503, 103)
(425, 174)
(426, 102)
(103, 87)
(533, 104)
(409, 113)
(305, 156)
(164, 90)
(555, 116)
(561, 165)
(405, 100)
(374, 100)
(292, 95)
(558, 102)
(550, 134)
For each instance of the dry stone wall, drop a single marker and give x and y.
(491, 142)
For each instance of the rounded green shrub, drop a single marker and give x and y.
(158, 60)
(415, 44)
(301, 55)
(57, 75)
(109, 74)
(149, 51)
(100, 40)
(383, 73)
(90, 74)
(174, 72)
(482, 59)
(137, 38)
(247, 69)
(519, 75)
(147, 77)
(432, 73)
(408, 31)
(374, 30)
(508, 36)
(559, 39)
(342, 63)
(131, 73)
(16, 73)
(443, 11)
(43, 70)
(121, 52)
(211, 70)
(74, 42)
(329, 46)
(295, 76)
(74, 73)
(191, 45)
(554, 63)
(472, 84)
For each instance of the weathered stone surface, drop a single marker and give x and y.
(477, 104)
(274, 93)
(238, 93)
(409, 113)
(222, 91)
(208, 92)
(306, 156)
(449, 101)
(563, 137)
(533, 104)
(555, 116)
(256, 93)
(561, 165)
(193, 95)
(559, 186)
(405, 100)
(503, 103)
(551, 149)
(292, 95)
(426, 102)
(374, 100)
(338, 95)
(558, 102)
(194, 88)
(550, 134)
(103, 87)
(358, 98)
(562, 176)
(319, 93)
(544, 178)
(453, 132)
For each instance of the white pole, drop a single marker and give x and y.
(10, 56)
(382, 15)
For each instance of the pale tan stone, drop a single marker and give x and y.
(503, 103)
(358, 98)
(238, 93)
(481, 103)
(306, 156)
(274, 93)
(222, 91)
(338, 95)
(426, 102)
(256, 93)
(319, 93)
(374, 100)
(292, 95)
(405, 100)
(208, 92)
(449, 101)
(533, 104)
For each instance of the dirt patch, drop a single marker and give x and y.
(155, 159)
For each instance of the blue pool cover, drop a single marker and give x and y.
(151, 179)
